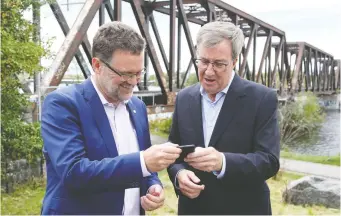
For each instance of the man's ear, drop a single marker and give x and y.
(95, 65)
(235, 62)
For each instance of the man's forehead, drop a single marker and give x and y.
(209, 51)
(223, 44)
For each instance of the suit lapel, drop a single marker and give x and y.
(232, 104)
(196, 114)
(133, 113)
(100, 117)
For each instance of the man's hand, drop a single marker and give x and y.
(205, 159)
(159, 157)
(188, 184)
(153, 199)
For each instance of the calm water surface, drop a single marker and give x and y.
(326, 141)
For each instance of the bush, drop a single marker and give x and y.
(161, 125)
(300, 118)
(20, 56)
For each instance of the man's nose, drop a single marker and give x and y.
(133, 80)
(209, 70)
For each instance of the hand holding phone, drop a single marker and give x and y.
(186, 149)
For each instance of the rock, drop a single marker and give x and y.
(313, 190)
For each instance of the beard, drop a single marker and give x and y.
(120, 92)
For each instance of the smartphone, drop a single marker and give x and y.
(186, 149)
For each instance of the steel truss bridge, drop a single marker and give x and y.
(288, 67)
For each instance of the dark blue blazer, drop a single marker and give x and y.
(85, 175)
(247, 133)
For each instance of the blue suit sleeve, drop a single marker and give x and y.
(64, 145)
(153, 178)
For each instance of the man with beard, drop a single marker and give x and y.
(99, 158)
(233, 123)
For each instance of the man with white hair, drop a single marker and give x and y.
(233, 124)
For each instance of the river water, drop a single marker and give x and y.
(325, 142)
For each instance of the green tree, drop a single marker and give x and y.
(152, 78)
(19, 55)
(192, 79)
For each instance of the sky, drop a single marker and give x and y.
(314, 22)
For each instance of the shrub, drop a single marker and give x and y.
(161, 125)
(300, 118)
(20, 56)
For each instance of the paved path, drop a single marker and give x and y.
(157, 139)
(311, 168)
(290, 165)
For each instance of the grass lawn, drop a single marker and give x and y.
(332, 160)
(26, 200)
(276, 187)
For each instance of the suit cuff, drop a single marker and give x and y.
(223, 168)
(145, 172)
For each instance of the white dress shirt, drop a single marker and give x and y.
(126, 142)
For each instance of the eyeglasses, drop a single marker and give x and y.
(126, 76)
(217, 66)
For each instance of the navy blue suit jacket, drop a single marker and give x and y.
(85, 175)
(247, 133)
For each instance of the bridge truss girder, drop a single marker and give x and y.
(275, 73)
(313, 69)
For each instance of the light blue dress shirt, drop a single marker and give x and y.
(210, 112)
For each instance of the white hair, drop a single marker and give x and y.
(213, 33)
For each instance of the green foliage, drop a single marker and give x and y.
(25, 200)
(300, 118)
(152, 77)
(161, 125)
(192, 79)
(19, 55)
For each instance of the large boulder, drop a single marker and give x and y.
(315, 190)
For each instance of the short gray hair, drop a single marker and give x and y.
(213, 33)
(114, 36)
